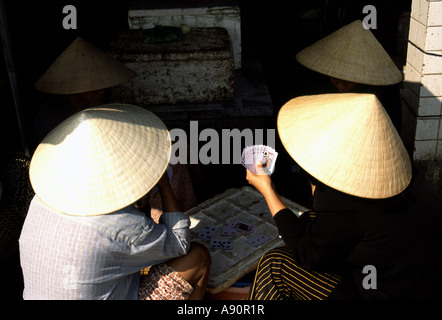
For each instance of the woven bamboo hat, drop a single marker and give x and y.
(83, 67)
(346, 141)
(351, 53)
(100, 160)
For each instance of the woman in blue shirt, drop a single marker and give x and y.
(83, 237)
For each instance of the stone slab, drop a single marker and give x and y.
(145, 14)
(197, 69)
(244, 204)
(249, 107)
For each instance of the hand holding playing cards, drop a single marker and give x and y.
(260, 180)
(263, 183)
(266, 155)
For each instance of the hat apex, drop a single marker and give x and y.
(346, 141)
(83, 67)
(351, 53)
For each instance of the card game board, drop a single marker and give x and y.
(207, 232)
(238, 229)
(251, 155)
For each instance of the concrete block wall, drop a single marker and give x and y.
(422, 94)
(423, 81)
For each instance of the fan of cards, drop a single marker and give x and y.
(259, 153)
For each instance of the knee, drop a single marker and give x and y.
(280, 253)
(276, 257)
(200, 255)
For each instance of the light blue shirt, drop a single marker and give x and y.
(95, 257)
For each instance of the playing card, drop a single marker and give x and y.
(207, 232)
(229, 229)
(268, 161)
(221, 244)
(258, 239)
(243, 226)
(247, 157)
(251, 155)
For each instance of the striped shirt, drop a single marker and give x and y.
(95, 257)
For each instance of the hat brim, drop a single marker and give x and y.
(82, 67)
(347, 142)
(100, 160)
(351, 53)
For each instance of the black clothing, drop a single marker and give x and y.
(400, 237)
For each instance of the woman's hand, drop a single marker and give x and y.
(263, 183)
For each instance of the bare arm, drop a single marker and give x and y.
(168, 200)
(263, 184)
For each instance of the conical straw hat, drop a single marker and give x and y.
(82, 67)
(351, 53)
(346, 141)
(100, 160)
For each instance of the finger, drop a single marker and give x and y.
(249, 175)
(260, 168)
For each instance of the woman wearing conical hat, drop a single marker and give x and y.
(83, 237)
(80, 77)
(355, 61)
(374, 228)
